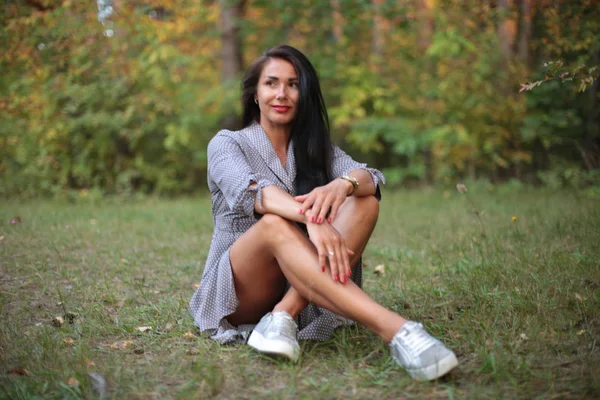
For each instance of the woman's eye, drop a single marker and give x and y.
(270, 83)
(294, 84)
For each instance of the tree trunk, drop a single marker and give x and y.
(378, 22)
(232, 11)
(525, 31)
(426, 27)
(338, 20)
(507, 28)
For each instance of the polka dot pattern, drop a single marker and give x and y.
(236, 159)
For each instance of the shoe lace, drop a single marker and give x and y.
(416, 339)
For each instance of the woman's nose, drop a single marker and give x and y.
(281, 92)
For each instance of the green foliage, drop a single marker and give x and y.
(418, 89)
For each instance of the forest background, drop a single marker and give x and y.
(122, 97)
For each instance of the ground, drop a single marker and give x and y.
(513, 288)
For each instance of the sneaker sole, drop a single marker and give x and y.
(272, 347)
(441, 368)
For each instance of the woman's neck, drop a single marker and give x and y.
(279, 136)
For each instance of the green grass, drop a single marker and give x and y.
(520, 306)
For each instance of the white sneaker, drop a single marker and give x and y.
(276, 334)
(420, 354)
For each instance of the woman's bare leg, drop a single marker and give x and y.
(275, 249)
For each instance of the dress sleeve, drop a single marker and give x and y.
(228, 168)
(342, 164)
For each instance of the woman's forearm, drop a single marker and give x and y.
(277, 201)
(366, 187)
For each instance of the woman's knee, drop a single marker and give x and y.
(277, 227)
(367, 207)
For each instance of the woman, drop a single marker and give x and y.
(289, 262)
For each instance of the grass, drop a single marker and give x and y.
(520, 306)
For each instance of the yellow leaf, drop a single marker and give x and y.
(143, 328)
(121, 344)
(380, 269)
(71, 381)
(68, 340)
(189, 335)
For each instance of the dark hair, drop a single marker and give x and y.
(310, 127)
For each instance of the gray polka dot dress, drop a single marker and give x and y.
(235, 160)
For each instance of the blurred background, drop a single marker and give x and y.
(121, 97)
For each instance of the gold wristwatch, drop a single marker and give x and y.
(353, 181)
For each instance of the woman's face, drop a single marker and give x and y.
(277, 93)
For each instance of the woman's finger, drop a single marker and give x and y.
(324, 210)
(301, 197)
(316, 209)
(335, 206)
(308, 203)
(342, 260)
(347, 266)
(322, 252)
(333, 264)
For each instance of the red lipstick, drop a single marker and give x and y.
(281, 109)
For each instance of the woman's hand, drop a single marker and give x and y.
(322, 198)
(331, 247)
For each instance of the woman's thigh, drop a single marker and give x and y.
(259, 282)
(355, 221)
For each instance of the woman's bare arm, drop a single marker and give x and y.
(277, 201)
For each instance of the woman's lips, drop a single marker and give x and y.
(281, 109)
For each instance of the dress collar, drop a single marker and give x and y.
(256, 136)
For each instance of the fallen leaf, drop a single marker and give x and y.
(71, 381)
(58, 321)
(380, 269)
(189, 335)
(523, 336)
(121, 344)
(196, 285)
(581, 332)
(68, 340)
(168, 327)
(1, 238)
(18, 371)
(124, 261)
(578, 297)
(143, 328)
(89, 363)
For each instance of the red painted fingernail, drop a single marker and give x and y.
(323, 269)
(335, 278)
(330, 219)
(319, 220)
(301, 211)
(312, 219)
(343, 279)
(349, 274)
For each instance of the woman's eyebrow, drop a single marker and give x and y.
(277, 78)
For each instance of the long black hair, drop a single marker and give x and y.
(310, 127)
